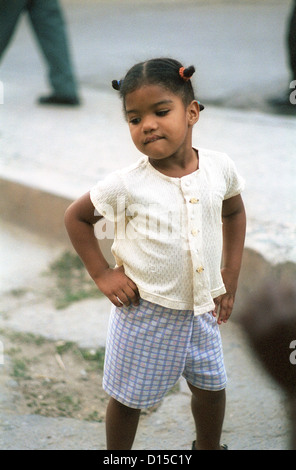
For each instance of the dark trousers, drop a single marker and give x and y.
(49, 26)
(292, 42)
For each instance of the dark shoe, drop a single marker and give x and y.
(223, 446)
(59, 100)
(280, 101)
(282, 104)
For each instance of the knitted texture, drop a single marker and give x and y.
(168, 231)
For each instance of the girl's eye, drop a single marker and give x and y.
(162, 113)
(134, 121)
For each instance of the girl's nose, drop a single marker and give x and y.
(149, 124)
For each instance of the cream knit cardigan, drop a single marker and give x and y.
(168, 231)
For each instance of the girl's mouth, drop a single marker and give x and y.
(151, 139)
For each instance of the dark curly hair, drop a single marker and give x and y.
(166, 72)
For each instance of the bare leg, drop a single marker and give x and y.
(121, 425)
(208, 409)
(292, 42)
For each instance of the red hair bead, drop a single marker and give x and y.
(181, 73)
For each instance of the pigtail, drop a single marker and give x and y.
(163, 71)
(186, 73)
(116, 84)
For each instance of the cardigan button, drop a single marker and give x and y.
(193, 200)
(200, 269)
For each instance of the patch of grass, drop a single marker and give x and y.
(18, 292)
(65, 346)
(95, 356)
(20, 369)
(56, 378)
(67, 404)
(94, 416)
(22, 337)
(72, 282)
(91, 356)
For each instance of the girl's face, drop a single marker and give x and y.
(159, 123)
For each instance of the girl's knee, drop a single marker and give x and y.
(204, 394)
(124, 409)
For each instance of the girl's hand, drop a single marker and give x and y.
(119, 288)
(224, 303)
(223, 307)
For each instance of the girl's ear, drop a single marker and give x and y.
(193, 112)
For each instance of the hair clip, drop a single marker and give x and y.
(116, 84)
(181, 73)
(201, 106)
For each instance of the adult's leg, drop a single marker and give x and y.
(10, 11)
(283, 102)
(121, 425)
(292, 42)
(49, 25)
(208, 409)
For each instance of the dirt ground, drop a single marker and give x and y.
(55, 379)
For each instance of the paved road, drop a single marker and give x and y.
(237, 46)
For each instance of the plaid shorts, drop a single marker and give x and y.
(149, 347)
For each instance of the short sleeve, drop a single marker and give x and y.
(235, 183)
(109, 196)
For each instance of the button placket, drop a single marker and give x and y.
(194, 225)
(194, 221)
(195, 233)
(196, 253)
(193, 210)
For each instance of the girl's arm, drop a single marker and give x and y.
(79, 222)
(234, 229)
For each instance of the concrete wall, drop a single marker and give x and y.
(39, 212)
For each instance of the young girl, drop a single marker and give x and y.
(168, 290)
